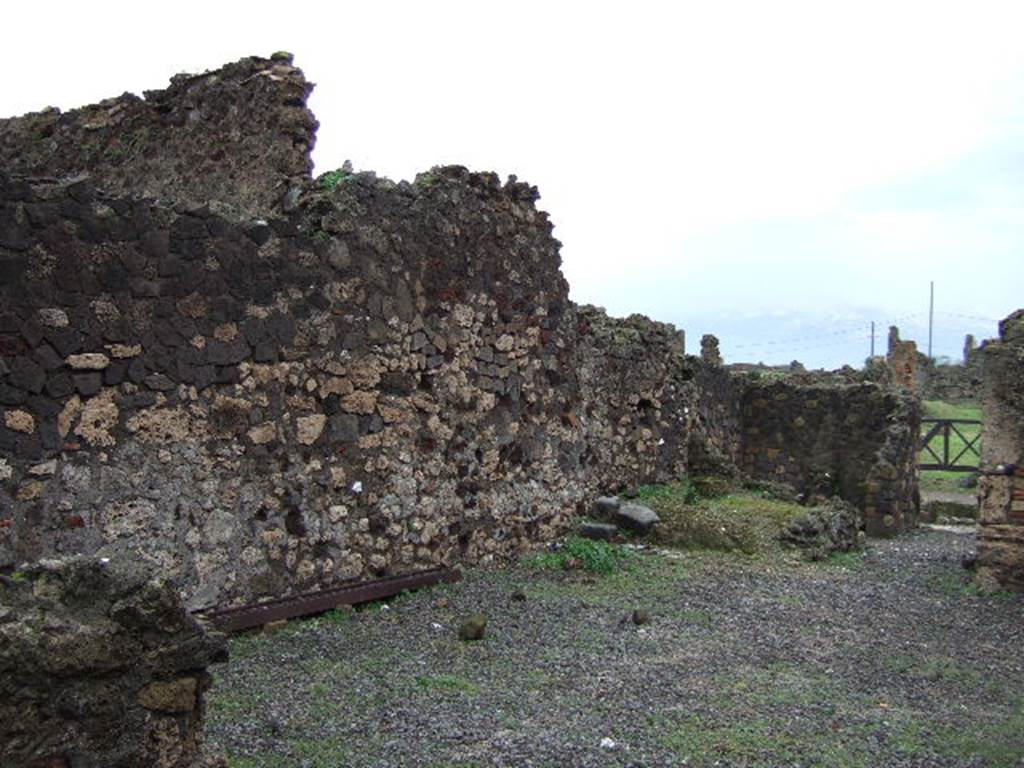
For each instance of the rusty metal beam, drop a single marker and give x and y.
(241, 617)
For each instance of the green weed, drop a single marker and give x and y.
(851, 561)
(245, 645)
(332, 179)
(683, 491)
(595, 556)
(448, 683)
(961, 583)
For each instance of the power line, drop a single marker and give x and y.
(864, 328)
(968, 317)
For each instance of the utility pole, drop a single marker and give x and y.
(872, 338)
(931, 314)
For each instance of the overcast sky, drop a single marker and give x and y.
(776, 173)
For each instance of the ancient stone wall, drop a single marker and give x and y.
(100, 666)
(240, 136)
(374, 383)
(833, 436)
(716, 436)
(364, 378)
(1001, 486)
(635, 399)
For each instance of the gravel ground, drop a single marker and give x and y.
(887, 660)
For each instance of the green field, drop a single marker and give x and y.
(947, 481)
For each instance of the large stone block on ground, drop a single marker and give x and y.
(100, 666)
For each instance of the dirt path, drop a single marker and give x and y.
(970, 498)
(889, 660)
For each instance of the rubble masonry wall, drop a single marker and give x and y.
(1001, 486)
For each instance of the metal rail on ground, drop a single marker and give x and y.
(235, 618)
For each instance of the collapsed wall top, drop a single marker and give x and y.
(241, 135)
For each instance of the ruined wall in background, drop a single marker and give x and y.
(824, 434)
(830, 436)
(905, 365)
(101, 666)
(716, 435)
(962, 381)
(240, 135)
(1001, 486)
(635, 398)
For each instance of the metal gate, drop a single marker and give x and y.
(946, 443)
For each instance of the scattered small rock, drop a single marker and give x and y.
(88, 361)
(600, 531)
(607, 743)
(274, 726)
(273, 627)
(834, 526)
(636, 517)
(969, 481)
(606, 507)
(641, 617)
(518, 596)
(473, 628)
(969, 561)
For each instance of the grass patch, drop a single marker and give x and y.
(681, 492)
(693, 616)
(227, 705)
(702, 739)
(448, 683)
(781, 714)
(955, 583)
(601, 557)
(743, 522)
(996, 742)
(324, 752)
(939, 409)
(333, 617)
(941, 480)
(960, 583)
(643, 579)
(851, 561)
(247, 644)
